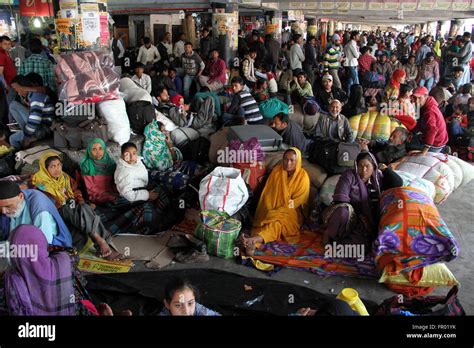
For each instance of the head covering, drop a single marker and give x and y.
(396, 76)
(9, 189)
(38, 284)
(336, 307)
(91, 166)
(336, 37)
(59, 188)
(420, 91)
(327, 77)
(175, 99)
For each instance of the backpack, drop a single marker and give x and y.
(140, 113)
(335, 157)
(7, 165)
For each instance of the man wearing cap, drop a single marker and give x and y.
(431, 124)
(333, 125)
(327, 92)
(32, 207)
(332, 59)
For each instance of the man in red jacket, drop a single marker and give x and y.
(431, 123)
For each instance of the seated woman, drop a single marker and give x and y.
(76, 213)
(97, 170)
(151, 207)
(43, 283)
(353, 216)
(180, 300)
(279, 211)
(158, 149)
(393, 88)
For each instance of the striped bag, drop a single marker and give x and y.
(219, 231)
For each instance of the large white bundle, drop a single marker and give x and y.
(115, 114)
(455, 167)
(132, 92)
(431, 169)
(418, 183)
(466, 168)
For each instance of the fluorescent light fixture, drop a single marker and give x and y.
(37, 23)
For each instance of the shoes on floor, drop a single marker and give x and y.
(192, 256)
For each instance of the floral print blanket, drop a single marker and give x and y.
(412, 233)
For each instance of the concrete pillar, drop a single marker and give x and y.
(331, 28)
(225, 27)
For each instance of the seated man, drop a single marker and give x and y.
(299, 88)
(334, 126)
(178, 81)
(279, 211)
(389, 151)
(142, 79)
(243, 104)
(32, 207)
(202, 95)
(162, 79)
(216, 78)
(170, 110)
(291, 133)
(35, 116)
(329, 92)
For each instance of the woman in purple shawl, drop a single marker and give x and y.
(39, 283)
(353, 216)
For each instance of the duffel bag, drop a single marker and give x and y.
(140, 114)
(333, 156)
(77, 138)
(224, 190)
(219, 231)
(183, 135)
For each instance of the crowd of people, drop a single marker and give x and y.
(423, 82)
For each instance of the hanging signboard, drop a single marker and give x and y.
(66, 28)
(104, 28)
(392, 5)
(425, 5)
(343, 6)
(376, 5)
(358, 5)
(36, 8)
(443, 5)
(409, 5)
(326, 5)
(461, 5)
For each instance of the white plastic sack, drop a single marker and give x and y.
(457, 171)
(327, 190)
(132, 92)
(169, 125)
(223, 189)
(115, 114)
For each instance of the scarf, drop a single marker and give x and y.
(39, 283)
(60, 188)
(91, 166)
(397, 75)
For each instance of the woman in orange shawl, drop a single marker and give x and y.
(279, 211)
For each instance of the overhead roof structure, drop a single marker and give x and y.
(354, 11)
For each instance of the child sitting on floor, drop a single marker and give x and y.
(131, 176)
(458, 122)
(180, 300)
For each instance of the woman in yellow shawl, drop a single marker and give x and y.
(279, 211)
(76, 213)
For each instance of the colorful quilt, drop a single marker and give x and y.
(413, 234)
(309, 254)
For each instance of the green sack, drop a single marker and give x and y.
(272, 107)
(219, 231)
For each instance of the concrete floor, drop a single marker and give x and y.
(458, 212)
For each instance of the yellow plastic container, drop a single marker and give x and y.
(351, 296)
